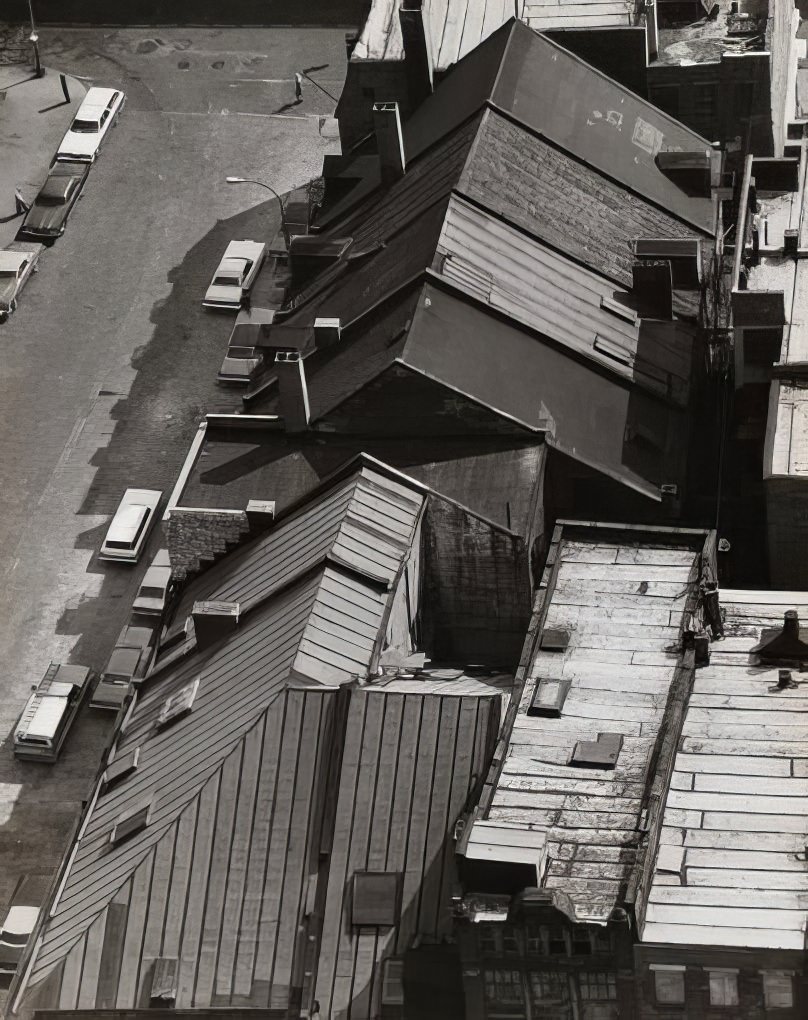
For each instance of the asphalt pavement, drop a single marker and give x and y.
(110, 361)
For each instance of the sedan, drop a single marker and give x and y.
(236, 274)
(98, 112)
(21, 920)
(17, 262)
(153, 590)
(47, 217)
(131, 524)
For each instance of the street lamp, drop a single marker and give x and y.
(33, 38)
(247, 180)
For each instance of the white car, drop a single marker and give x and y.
(236, 274)
(17, 261)
(131, 525)
(50, 711)
(98, 112)
(153, 590)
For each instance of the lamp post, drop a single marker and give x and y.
(34, 40)
(247, 180)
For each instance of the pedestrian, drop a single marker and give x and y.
(20, 203)
(298, 87)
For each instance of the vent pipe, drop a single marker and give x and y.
(389, 141)
(294, 394)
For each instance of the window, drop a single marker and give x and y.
(104, 117)
(597, 986)
(488, 939)
(375, 898)
(510, 941)
(178, 704)
(669, 984)
(120, 768)
(549, 987)
(601, 941)
(778, 989)
(581, 942)
(393, 983)
(534, 942)
(723, 987)
(503, 986)
(557, 942)
(128, 825)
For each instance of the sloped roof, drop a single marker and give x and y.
(730, 870)
(313, 594)
(620, 596)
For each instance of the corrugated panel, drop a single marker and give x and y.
(589, 817)
(730, 871)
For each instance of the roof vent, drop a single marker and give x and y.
(213, 621)
(164, 981)
(178, 704)
(375, 899)
(554, 639)
(293, 390)
(548, 698)
(261, 514)
(598, 754)
(119, 769)
(389, 141)
(128, 825)
(783, 645)
(326, 332)
(692, 171)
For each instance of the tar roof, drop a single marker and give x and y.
(313, 596)
(620, 596)
(731, 869)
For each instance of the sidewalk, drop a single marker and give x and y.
(33, 118)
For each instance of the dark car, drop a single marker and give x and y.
(47, 216)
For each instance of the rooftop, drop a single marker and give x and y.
(268, 731)
(731, 868)
(601, 658)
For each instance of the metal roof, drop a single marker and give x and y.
(731, 869)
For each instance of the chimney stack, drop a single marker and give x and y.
(389, 141)
(260, 514)
(213, 621)
(418, 62)
(326, 332)
(653, 289)
(294, 394)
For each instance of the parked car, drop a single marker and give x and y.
(50, 711)
(153, 591)
(131, 524)
(243, 359)
(130, 660)
(99, 110)
(17, 261)
(236, 274)
(47, 216)
(21, 920)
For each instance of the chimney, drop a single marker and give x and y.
(389, 141)
(294, 394)
(260, 514)
(653, 289)
(418, 62)
(213, 621)
(783, 646)
(326, 332)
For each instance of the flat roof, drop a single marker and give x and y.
(619, 597)
(731, 869)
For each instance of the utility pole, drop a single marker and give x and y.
(34, 39)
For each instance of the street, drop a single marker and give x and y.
(110, 361)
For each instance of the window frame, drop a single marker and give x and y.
(668, 969)
(725, 974)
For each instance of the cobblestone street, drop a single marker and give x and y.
(110, 361)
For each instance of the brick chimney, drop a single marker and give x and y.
(213, 621)
(653, 289)
(389, 141)
(294, 394)
(418, 62)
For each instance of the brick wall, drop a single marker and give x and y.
(476, 604)
(196, 538)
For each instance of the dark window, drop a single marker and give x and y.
(504, 986)
(669, 984)
(120, 768)
(581, 942)
(510, 941)
(489, 940)
(557, 942)
(129, 825)
(666, 97)
(534, 940)
(597, 986)
(549, 988)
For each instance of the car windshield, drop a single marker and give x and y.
(85, 126)
(148, 592)
(244, 353)
(226, 280)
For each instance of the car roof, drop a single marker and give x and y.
(20, 920)
(127, 520)
(124, 660)
(48, 711)
(95, 101)
(156, 576)
(235, 265)
(243, 249)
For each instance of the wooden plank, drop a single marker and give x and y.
(775, 786)
(775, 899)
(704, 935)
(748, 822)
(749, 860)
(691, 800)
(731, 764)
(743, 879)
(745, 747)
(136, 920)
